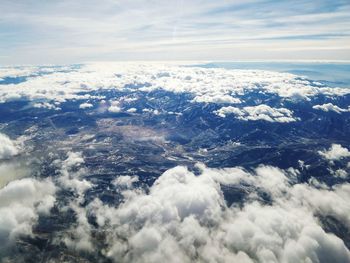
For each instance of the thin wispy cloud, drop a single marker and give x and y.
(74, 31)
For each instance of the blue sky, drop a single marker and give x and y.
(65, 31)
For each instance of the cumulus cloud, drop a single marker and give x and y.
(125, 181)
(185, 217)
(217, 98)
(10, 171)
(330, 107)
(21, 200)
(8, 147)
(132, 110)
(211, 85)
(13, 72)
(21, 203)
(71, 174)
(46, 105)
(341, 173)
(114, 107)
(335, 152)
(29, 71)
(78, 236)
(260, 112)
(73, 159)
(55, 87)
(155, 112)
(85, 105)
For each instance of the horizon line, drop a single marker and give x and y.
(325, 61)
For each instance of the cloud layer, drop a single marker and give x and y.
(185, 217)
(205, 85)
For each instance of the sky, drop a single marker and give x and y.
(65, 31)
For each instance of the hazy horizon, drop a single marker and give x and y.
(64, 32)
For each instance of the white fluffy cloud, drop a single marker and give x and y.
(21, 202)
(85, 105)
(26, 71)
(217, 98)
(8, 147)
(335, 152)
(341, 173)
(71, 174)
(115, 107)
(184, 217)
(77, 237)
(330, 107)
(125, 181)
(10, 171)
(207, 85)
(73, 159)
(132, 110)
(260, 112)
(46, 105)
(13, 72)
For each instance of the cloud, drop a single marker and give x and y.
(78, 235)
(209, 85)
(85, 105)
(115, 107)
(73, 159)
(218, 98)
(13, 72)
(132, 110)
(71, 173)
(10, 171)
(8, 148)
(46, 105)
(340, 173)
(29, 71)
(125, 181)
(21, 203)
(206, 30)
(184, 216)
(335, 152)
(260, 112)
(330, 107)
